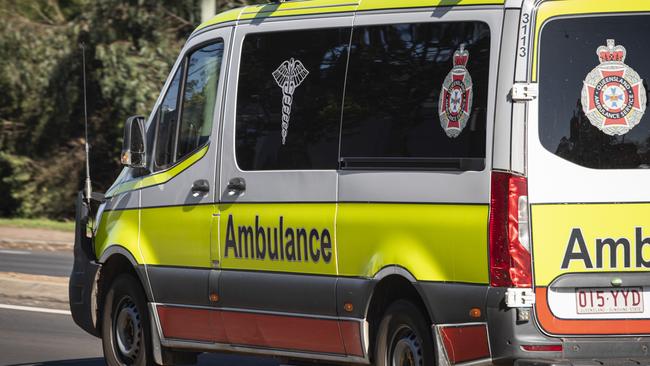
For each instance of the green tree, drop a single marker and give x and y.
(130, 47)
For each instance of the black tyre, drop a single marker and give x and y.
(404, 337)
(126, 334)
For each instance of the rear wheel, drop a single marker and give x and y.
(404, 337)
(126, 335)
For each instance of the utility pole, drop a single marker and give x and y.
(208, 9)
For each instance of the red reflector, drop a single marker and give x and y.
(542, 347)
(510, 260)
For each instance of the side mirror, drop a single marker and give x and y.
(133, 147)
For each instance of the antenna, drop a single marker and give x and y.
(88, 187)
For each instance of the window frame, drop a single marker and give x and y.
(540, 126)
(236, 99)
(183, 68)
(554, 188)
(460, 164)
(448, 185)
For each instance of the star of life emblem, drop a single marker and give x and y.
(613, 95)
(456, 95)
(289, 76)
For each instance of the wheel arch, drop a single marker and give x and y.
(395, 275)
(116, 260)
(393, 283)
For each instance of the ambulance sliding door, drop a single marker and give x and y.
(278, 184)
(415, 176)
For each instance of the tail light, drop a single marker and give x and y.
(510, 260)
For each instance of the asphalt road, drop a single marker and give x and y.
(36, 262)
(31, 338)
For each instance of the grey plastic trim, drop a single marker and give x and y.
(394, 270)
(451, 303)
(506, 334)
(180, 285)
(523, 51)
(285, 293)
(117, 249)
(601, 279)
(156, 334)
(222, 347)
(257, 311)
(503, 109)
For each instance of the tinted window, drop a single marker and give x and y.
(391, 114)
(568, 55)
(289, 99)
(167, 122)
(199, 97)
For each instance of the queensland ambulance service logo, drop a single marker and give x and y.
(613, 95)
(456, 95)
(289, 76)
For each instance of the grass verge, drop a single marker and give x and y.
(38, 224)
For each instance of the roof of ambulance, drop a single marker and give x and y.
(308, 7)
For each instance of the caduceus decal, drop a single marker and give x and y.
(289, 76)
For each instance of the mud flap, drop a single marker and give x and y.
(84, 270)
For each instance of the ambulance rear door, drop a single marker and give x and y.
(588, 168)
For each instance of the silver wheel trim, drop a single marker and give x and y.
(128, 329)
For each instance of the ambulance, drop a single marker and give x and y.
(413, 182)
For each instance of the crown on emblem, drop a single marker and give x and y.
(461, 56)
(611, 52)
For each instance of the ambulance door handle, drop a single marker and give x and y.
(201, 186)
(236, 186)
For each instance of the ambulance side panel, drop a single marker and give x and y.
(430, 224)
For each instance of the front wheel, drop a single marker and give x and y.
(404, 337)
(126, 336)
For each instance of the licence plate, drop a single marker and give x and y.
(609, 300)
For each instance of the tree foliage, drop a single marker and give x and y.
(130, 47)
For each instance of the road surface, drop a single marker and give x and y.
(34, 338)
(47, 339)
(36, 262)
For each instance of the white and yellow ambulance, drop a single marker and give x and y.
(413, 182)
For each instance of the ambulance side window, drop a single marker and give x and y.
(185, 122)
(289, 99)
(199, 97)
(167, 122)
(404, 108)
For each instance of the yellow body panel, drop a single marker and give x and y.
(119, 228)
(550, 9)
(433, 242)
(177, 235)
(307, 216)
(554, 234)
(159, 177)
(313, 7)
